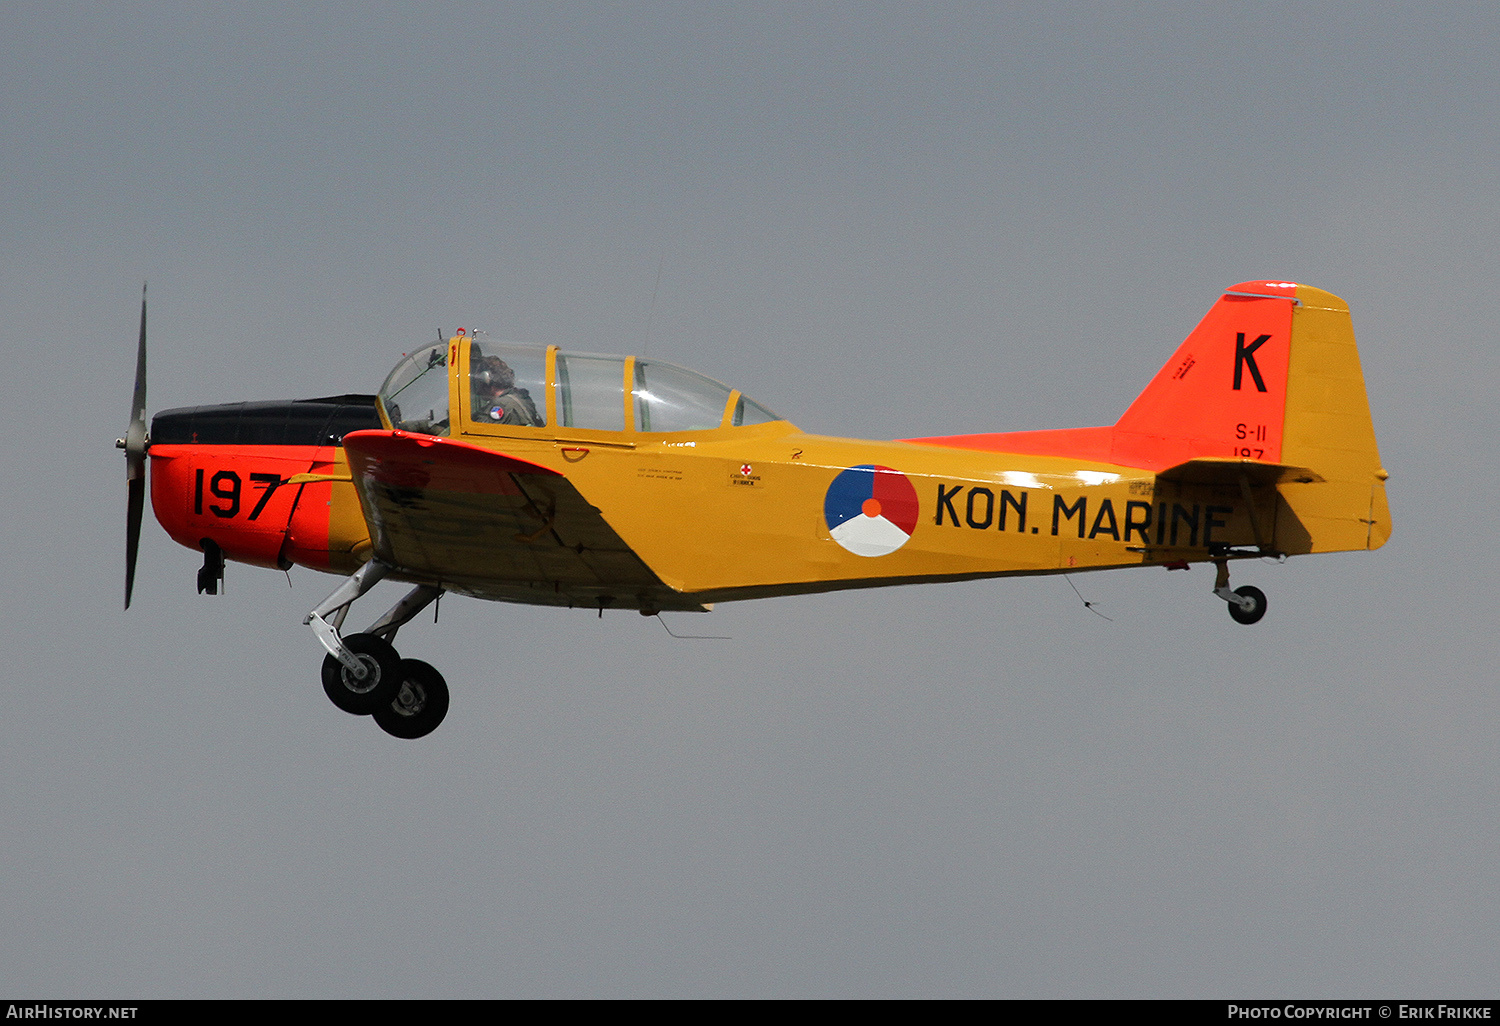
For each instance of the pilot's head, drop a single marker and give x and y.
(493, 375)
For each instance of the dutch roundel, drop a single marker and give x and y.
(871, 510)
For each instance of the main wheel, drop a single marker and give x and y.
(1255, 612)
(420, 703)
(379, 685)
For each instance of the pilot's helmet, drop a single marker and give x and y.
(494, 374)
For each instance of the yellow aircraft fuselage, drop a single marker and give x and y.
(744, 512)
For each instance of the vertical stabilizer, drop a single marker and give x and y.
(1223, 393)
(1271, 375)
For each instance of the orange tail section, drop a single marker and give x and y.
(1269, 382)
(1223, 393)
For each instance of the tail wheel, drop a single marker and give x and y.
(1255, 612)
(420, 704)
(378, 687)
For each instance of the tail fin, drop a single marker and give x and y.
(1223, 393)
(1271, 375)
(1268, 381)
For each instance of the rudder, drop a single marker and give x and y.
(1328, 427)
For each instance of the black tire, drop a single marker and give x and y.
(420, 703)
(378, 688)
(1255, 612)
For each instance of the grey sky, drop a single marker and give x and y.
(881, 221)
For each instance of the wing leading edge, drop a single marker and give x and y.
(494, 526)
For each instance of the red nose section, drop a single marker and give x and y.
(239, 497)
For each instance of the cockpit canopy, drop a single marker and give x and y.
(488, 387)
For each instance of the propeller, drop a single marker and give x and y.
(135, 443)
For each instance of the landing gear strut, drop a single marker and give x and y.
(363, 673)
(1246, 605)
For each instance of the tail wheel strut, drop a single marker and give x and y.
(1246, 605)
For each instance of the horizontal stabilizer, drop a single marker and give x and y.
(1211, 471)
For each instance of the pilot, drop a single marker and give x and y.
(497, 400)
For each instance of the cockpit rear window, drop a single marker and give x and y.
(671, 398)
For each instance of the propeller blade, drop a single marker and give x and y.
(138, 404)
(135, 459)
(135, 503)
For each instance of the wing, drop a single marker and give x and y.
(495, 526)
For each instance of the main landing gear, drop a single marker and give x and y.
(1247, 604)
(363, 673)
